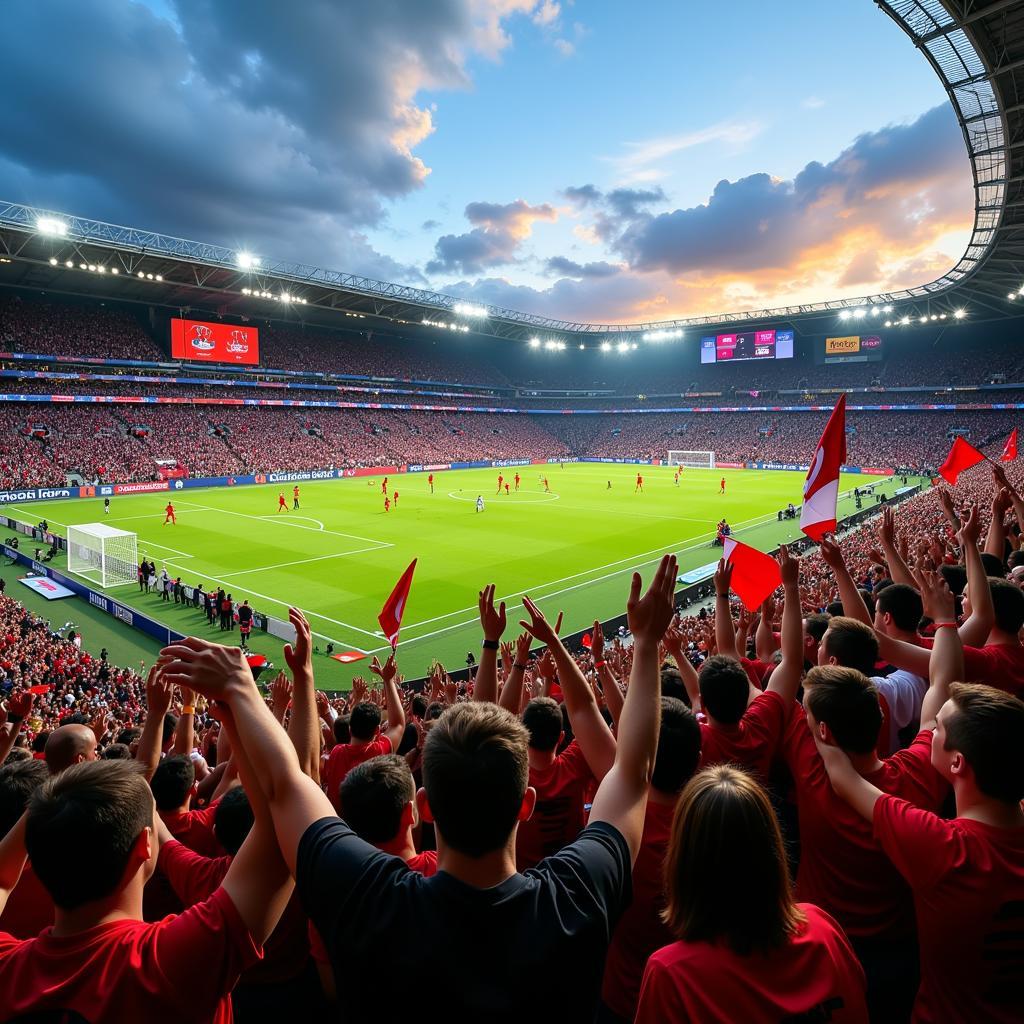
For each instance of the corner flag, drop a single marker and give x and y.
(390, 617)
(821, 488)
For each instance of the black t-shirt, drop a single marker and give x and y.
(531, 949)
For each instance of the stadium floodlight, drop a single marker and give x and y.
(942, 316)
(1012, 296)
(633, 346)
(51, 226)
(582, 346)
(845, 315)
(535, 343)
(924, 320)
(100, 269)
(53, 261)
(246, 261)
(859, 314)
(934, 317)
(69, 264)
(888, 323)
(114, 270)
(905, 321)
(622, 347)
(662, 335)
(468, 309)
(606, 346)
(92, 266)
(887, 309)
(159, 277)
(959, 313)
(285, 297)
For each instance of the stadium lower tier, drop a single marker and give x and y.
(42, 444)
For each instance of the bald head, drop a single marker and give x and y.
(68, 745)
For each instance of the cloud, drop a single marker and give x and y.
(430, 225)
(547, 13)
(582, 195)
(812, 103)
(500, 230)
(563, 267)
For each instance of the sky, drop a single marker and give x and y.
(591, 160)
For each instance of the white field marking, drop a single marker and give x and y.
(495, 497)
(305, 519)
(285, 522)
(301, 561)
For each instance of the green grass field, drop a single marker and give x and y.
(339, 556)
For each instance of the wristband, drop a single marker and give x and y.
(519, 665)
(490, 645)
(15, 719)
(188, 709)
(939, 625)
(600, 664)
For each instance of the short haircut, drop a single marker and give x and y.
(726, 876)
(1016, 558)
(128, 736)
(672, 685)
(955, 577)
(903, 603)
(847, 702)
(987, 727)
(373, 796)
(678, 746)
(1008, 602)
(993, 564)
(93, 812)
(116, 752)
(172, 782)
(233, 819)
(475, 773)
(724, 689)
(18, 781)
(419, 705)
(542, 717)
(342, 729)
(852, 643)
(364, 721)
(834, 609)
(868, 598)
(170, 724)
(39, 742)
(816, 624)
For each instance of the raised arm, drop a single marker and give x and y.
(725, 631)
(222, 674)
(185, 730)
(492, 622)
(898, 568)
(12, 860)
(765, 644)
(995, 539)
(606, 677)
(304, 725)
(853, 602)
(621, 798)
(979, 624)
(388, 673)
(999, 474)
(691, 681)
(158, 702)
(946, 663)
(590, 729)
(848, 783)
(511, 698)
(12, 718)
(785, 678)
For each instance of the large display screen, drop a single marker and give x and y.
(853, 348)
(732, 348)
(214, 343)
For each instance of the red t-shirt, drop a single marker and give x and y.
(558, 815)
(998, 665)
(181, 968)
(842, 867)
(29, 907)
(195, 829)
(968, 885)
(640, 930)
(344, 757)
(815, 976)
(752, 741)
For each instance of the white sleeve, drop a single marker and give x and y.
(903, 692)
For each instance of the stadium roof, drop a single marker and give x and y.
(976, 47)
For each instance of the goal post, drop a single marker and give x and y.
(102, 554)
(695, 460)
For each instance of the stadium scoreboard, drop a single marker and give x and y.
(199, 341)
(747, 345)
(852, 348)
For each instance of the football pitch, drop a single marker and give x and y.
(339, 556)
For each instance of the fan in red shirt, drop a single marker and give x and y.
(364, 724)
(745, 950)
(967, 875)
(100, 962)
(30, 909)
(174, 788)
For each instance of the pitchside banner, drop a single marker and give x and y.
(214, 343)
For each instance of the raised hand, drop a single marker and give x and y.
(597, 642)
(358, 690)
(546, 666)
(649, 616)
(299, 656)
(387, 671)
(451, 691)
(723, 577)
(936, 597)
(887, 528)
(832, 554)
(280, 695)
(789, 567)
(538, 627)
(523, 648)
(970, 527)
(158, 693)
(323, 707)
(492, 621)
(209, 668)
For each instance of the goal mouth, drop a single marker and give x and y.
(692, 459)
(103, 554)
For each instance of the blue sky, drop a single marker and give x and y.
(605, 160)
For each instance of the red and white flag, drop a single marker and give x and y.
(961, 456)
(1010, 451)
(755, 575)
(390, 617)
(821, 488)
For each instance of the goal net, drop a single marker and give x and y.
(697, 460)
(103, 555)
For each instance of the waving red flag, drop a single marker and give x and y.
(821, 488)
(1010, 451)
(390, 617)
(755, 575)
(961, 456)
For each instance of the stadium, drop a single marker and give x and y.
(220, 465)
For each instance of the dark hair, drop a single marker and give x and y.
(342, 729)
(172, 782)
(903, 603)
(93, 812)
(678, 746)
(834, 609)
(170, 724)
(847, 702)
(128, 736)
(993, 564)
(116, 752)
(373, 796)
(542, 717)
(39, 742)
(726, 876)
(419, 705)
(233, 819)
(1016, 558)
(434, 711)
(1008, 602)
(955, 577)
(868, 598)
(852, 643)
(816, 624)
(672, 685)
(475, 772)
(364, 721)
(18, 781)
(724, 689)
(987, 727)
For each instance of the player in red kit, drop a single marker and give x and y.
(517, 481)
(546, 487)
(430, 480)
(387, 503)
(169, 518)
(507, 491)
(396, 499)
(677, 478)
(384, 487)
(721, 486)
(282, 505)
(639, 483)
(295, 496)
(500, 480)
